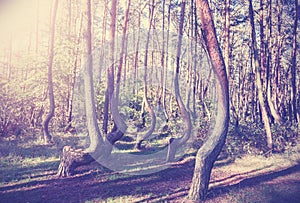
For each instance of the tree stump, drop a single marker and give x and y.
(72, 158)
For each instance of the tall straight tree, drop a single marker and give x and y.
(73, 78)
(208, 153)
(90, 107)
(110, 72)
(259, 85)
(166, 50)
(47, 136)
(268, 62)
(106, 101)
(227, 37)
(295, 111)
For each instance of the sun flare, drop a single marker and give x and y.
(19, 18)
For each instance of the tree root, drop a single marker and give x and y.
(72, 158)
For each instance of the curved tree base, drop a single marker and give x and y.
(138, 145)
(115, 135)
(199, 186)
(72, 158)
(174, 144)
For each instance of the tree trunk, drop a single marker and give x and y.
(106, 100)
(47, 136)
(259, 85)
(70, 102)
(71, 158)
(143, 136)
(166, 63)
(295, 111)
(119, 125)
(208, 153)
(136, 57)
(195, 31)
(227, 37)
(176, 143)
(90, 109)
(272, 86)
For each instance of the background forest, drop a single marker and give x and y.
(44, 52)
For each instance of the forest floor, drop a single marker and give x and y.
(28, 175)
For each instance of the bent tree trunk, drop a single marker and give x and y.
(143, 136)
(119, 125)
(176, 143)
(72, 158)
(211, 148)
(47, 136)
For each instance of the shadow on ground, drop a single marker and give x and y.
(170, 185)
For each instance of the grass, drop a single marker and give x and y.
(15, 168)
(27, 169)
(24, 160)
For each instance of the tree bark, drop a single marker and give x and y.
(295, 112)
(227, 37)
(73, 80)
(72, 158)
(106, 100)
(208, 153)
(47, 136)
(119, 125)
(176, 143)
(90, 109)
(166, 63)
(259, 85)
(143, 136)
(272, 85)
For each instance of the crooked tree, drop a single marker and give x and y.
(120, 126)
(71, 158)
(47, 136)
(100, 142)
(143, 136)
(176, 143)
(208, 153)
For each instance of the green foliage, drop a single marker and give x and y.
(16, 118)
(250, 139)
(24, 96)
